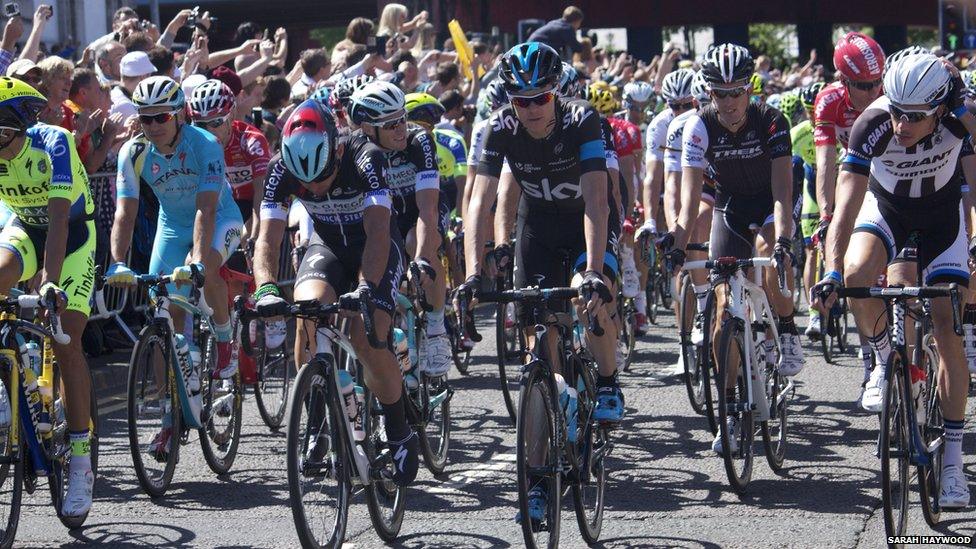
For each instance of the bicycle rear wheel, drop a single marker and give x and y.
(275, 373)
(628, 339)
(696, 380)
(774, 430)
(509, 344)
(155, 419)
(895, 449)
(386, 501)
(731, 352)
(706, 361)
(652, 291)
(592, 444)
(932, 429)
(11, 473)
(841, 329)
(61, 449)
(319, 468)
(223, 412)
(435, 438)
(460, 355)
(538, 454)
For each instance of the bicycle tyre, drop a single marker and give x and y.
(219, 446)
(841, 329)
(651, 291)
(774, 431)
(739, 474)
(435, 437)
(312, 380)
(706, 359)
(933, 429)
(509, 345)
(825, 338)
(62, 461)
(591, 442)
(538, 383)
(382, 492)
(693, 376)
(11, 476)
(894, 445)
(628, 337)
(275, 374)
(152, 336)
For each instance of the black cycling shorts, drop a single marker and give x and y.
(731, 219)
(549, 248)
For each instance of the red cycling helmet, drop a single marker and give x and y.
(859, 58)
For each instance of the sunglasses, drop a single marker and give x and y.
(865, 86)
(391, 124)
(210, 124)
(910, 116)
(720, 93)
(543, 98)
(681, 106)
(160, 118)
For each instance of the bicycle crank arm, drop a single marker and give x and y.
(441, 397)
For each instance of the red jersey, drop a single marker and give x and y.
(833, 116)
(246, 155)
(626, 136)
(69, 111)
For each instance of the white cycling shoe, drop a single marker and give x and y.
(871, 397)
(955, 491)
(733, 424)
(792, 361)
(437, 357)
(78, 499)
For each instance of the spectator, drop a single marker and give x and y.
(12, 32)
(357, 33)
(162, 58)
(55, 85)
(135, 67)
(448, 78)
(426, 40)
(247, 31)
(107, 59)
(315, 66)
(453, 103)
(230, 78)
(561, 33)
(120, 22)
(80, 109)
(393, 20)
(26, 70)
(138, 41)
(32, 47)
(249, 98)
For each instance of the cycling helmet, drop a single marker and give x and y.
(789, 105)
(727, 63)
(424, 108)
(376, 102)
(531, 67)
(322, 94)
(758, 84)
(774, 101)
(920, 79)
(859, 57)
(569, 81)
(699, 88)
(158, 91)
(308, 141)
(19, 104)
(602, 100)
(493, 97)
(211, 99)
(344, 90)
(677, 85)
(808, 95)
(638, 92)
(910, 50)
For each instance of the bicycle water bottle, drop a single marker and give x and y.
(918, 392)
(185, 363)
(758, 378)
(401, 348)
(567, 399)
(351, 402)
(33, 394)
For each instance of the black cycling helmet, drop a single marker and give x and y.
(727, 63)
(530, 67)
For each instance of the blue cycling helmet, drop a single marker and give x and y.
(321, 94)
(531, 67)
(308, 141)
(493, 97)
(569, 81)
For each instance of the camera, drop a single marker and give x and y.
(191, 21)
(11, 9)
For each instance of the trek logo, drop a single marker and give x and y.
(917, 163)
(750, 152)
(543, 190)
(23, 190)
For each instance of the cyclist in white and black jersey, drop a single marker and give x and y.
(900, 176)
(749, 147)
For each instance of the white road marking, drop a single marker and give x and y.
(501, 463)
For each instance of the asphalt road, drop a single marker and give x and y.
(665, 489)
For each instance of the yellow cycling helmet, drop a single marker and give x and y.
(19, 104)
(758, 84)
(423, 108)
(602, 99)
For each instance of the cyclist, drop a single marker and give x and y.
(356, 244)
(246, 156)
(199, 224)
(339, 100)
(748, 145)
(804, 155)
(379, 109)
(904, 152)
(51, 232)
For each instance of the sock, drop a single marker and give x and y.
(969, 314)
(606, 381)
(81, 449)
(435, 323)
(953, 443)
(866, 361)
(786, 325)
(223, 332)
(396, 420)
(701, 295)
(881, 344)
(641, 303)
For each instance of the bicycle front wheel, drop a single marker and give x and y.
(706, 361)
(774, 430)
(736, 442)
(11, 474)
(435, 438)
(155, 418)
(932, 428)
(537, 459)
(696, 380)
(592, 444)
(509, 345)
(223, 413)
(275, 373)
(61, 444)
(628, 338)
(318, 465)
(386, 501)
(895, 449)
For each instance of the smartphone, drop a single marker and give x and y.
(11, 9)
(377, 44)
(257, 115)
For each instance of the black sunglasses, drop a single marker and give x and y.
(865, 86)
(160, 118)
(210, 124)
(681, 106)
(910, 116)
(735, 93)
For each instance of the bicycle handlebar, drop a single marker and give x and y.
(901, 292)
(34, 301)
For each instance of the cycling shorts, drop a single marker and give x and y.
(731, 234)
(943, 251)
(339, 266)
(810, 211)
(550, 247)
(173, 244)
(78, 270)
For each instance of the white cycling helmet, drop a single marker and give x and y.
(376, 102)
(677, 85)
(910, 50)
(699, 89)
(920, 79)
(774, 100)
(638, 92)
(158, 91)
(211, 99)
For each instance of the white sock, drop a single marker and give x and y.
(701, 295)
(435, 323)
(953, 443)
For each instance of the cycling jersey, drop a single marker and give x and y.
(833, 115)
(657, 133)
(743, 159)
(408, 171)
(802, 137)
(672, 155)
(452, 162)
(246, 155)
(547, 170)
(626, 136)
(48, 166)
(803, 148)
(336, 216)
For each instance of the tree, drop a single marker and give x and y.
(328, 37)
(771, 40)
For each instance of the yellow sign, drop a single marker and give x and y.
(464, 51)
